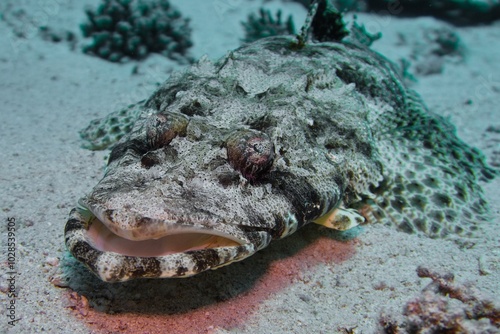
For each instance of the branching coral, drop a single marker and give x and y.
(123, 29)
(265, 25)
(436, 47)
(328, 25)
(359, 34)
(460, 12)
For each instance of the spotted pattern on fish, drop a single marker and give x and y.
(229, 155)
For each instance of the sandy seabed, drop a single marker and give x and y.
(307, 283)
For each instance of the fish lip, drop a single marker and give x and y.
(111, 266)
(180, 240)
(136, 226)
(114, 267)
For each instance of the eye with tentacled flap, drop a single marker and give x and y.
(155, 132)
(250, 152)
(163, 127)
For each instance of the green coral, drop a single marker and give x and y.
(265, 25)
(445, 41)
(461, 12)
(122, 29)
(328, 25)
(359, 35)
(341, 5)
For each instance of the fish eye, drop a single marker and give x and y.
(163, 127)
(250, 152)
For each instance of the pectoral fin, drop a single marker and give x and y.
(340, 219)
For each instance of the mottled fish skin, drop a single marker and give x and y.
(265, 140)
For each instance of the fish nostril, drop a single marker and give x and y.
(228, 179)
(148, 160)
(166, 156)
(193, 108)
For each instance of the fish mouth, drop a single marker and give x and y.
(177, 241)
(180, 252)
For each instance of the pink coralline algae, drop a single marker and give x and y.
(446, 307)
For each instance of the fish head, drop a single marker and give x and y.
(194, 197)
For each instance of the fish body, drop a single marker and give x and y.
(230, 155)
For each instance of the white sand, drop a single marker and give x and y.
(49, 92)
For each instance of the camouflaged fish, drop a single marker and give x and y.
(230, 155)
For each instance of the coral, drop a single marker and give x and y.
(324, 22)
(265, 25)
(461, 12)
(359, 35)
(327, 25)
(304, 3)
(341, 5)
(122, 29)
(56, 35)
(445, 307)
(447, 41)
(350, 5)
(434, 48)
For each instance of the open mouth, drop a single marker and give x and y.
(175, 251)
(177, 241)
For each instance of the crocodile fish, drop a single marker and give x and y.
(230, 155)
